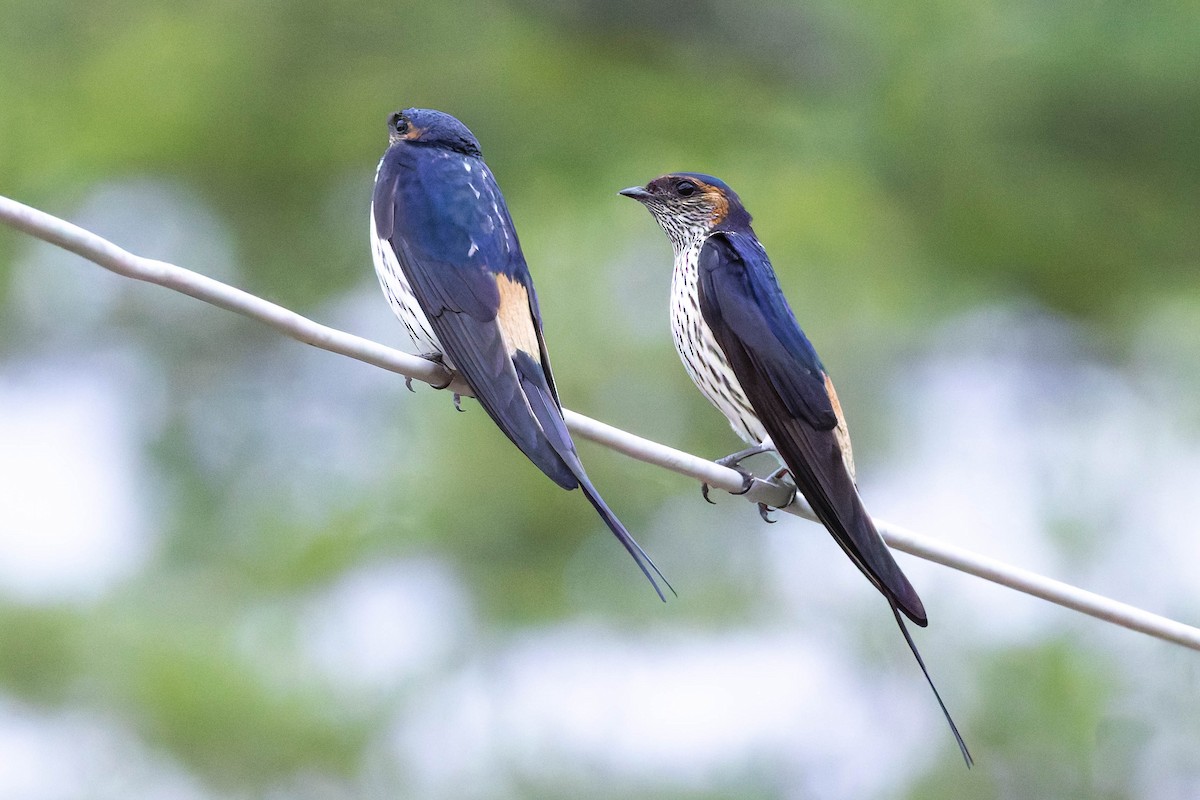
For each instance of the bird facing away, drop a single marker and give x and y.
(743, 348)
(447, 256)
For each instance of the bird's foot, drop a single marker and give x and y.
(779, 475)
(408, 385)
(747, 483)
(747, 480)
(457, 401)
(733, 461)
(763, 509)
(438, 359)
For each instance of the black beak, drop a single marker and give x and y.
(637, 193)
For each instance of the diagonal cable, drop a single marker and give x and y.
(108, 255)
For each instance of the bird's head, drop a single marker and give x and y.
(424, 127)
(689, 205)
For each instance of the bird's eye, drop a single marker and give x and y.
(401, 125)
(685, 188)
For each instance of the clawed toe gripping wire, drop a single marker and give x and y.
(733, 462)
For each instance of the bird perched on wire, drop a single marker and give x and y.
(746, 353)
(450, 265)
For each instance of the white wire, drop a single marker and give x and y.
(108, 255)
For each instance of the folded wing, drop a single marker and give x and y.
(786, 384)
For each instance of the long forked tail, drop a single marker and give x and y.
(610, 519)
(962, 745)
(544, 405)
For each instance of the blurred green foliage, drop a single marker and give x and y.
(1050, 150)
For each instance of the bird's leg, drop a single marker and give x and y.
(764, 509)
(733, 461)
(437, 359)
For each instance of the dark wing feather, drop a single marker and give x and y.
(454, 239)
(784, 380)
(452, 235)
(545, 406)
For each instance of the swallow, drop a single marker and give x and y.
(743, 348)
(447, 257)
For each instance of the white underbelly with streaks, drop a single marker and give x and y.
(702, 356)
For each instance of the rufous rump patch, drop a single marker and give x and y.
(841, 431)
(516, 317)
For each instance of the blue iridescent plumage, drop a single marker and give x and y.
(449, 261)
(789, 389)
(746, 352)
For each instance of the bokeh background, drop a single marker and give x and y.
(232, 566)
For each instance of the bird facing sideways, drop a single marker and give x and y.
(744, 350)
(448, 260)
